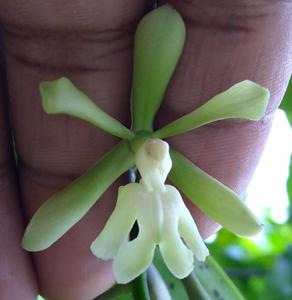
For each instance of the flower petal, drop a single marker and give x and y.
(212, 197)
(119, 224)
(177, 257)
(244, 100)
(159, 42)
(189, 231)
(60, 212)
(62, 97)
(133, 258)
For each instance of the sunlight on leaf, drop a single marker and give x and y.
(62, 97)
(60, 212)
(212, 197)
(244, 100)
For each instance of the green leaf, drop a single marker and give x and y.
(286, 104)
(244, 100)
(289, 190)
(212, 197)
(61, 96)
(159, 42)
(60, 212)
(215, 282)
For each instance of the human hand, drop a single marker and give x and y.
(92, 45)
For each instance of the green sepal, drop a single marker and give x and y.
(61, 96)
(159, 42)
(212, 197)
(61, 211)
(244, 100)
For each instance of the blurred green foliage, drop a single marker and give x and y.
(286, 105)
(262, 269)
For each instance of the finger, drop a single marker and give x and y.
(91, 43)
(15, 265)
(228, 42)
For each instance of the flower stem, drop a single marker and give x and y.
(194, 288)
(157, 287)
(140, 288)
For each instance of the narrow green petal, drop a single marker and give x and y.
(159, 42)
(212, 197)
(213, 278)
(60, 212)
(244, 100)
(133, 259)
(119, 225)
(61, 96)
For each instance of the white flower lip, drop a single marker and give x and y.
(162, 217)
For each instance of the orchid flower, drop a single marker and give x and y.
(162, 217)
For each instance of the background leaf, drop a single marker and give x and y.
(286, 104)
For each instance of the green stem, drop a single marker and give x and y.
(140, 288)
(115, 291)
(194, 288)
(157, 287)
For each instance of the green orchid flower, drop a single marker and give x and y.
(162, 217)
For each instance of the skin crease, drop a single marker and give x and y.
(91, 43)
(15, 264)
